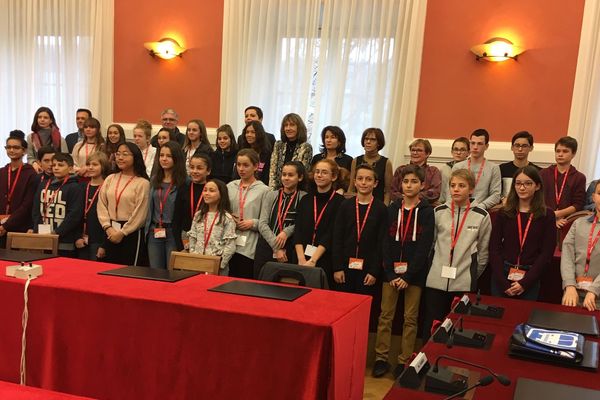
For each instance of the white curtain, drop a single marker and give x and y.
(354, 64)
(55, 53)
(584, 122)
(268, 49)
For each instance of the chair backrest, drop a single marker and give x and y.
(195, 262)
(43, 243)
(562, 232)
(313, 277)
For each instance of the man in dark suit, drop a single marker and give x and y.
(80, 117)
(169, 119)
(254, 113)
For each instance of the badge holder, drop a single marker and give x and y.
(412, 376)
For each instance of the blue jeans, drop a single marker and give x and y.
(159, 250)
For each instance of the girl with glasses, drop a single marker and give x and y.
(517, 255)
(17, 188)
(123, 205)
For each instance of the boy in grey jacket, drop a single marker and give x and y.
(462, 235)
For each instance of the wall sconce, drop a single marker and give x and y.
(497, 49)
(166, 48)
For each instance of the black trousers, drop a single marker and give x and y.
(437, 306)
(264, 254)
(241, 266)
(131, 250)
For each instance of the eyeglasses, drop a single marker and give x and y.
(458, 150)
(7, 147)
(322, 172)
(521, 146)
(525, 184)
(117, 154)
(169, 120)
(417, 150)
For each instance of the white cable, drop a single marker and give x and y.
(23, 337)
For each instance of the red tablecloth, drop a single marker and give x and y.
(116, 338)
(496, 358)
(12, 391)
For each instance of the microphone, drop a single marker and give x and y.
(450, 341)
(505, 381)
(486, 380)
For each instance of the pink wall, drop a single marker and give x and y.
(458, 94)
(144, 86)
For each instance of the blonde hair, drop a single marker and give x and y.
(102, 158)
(465, 175)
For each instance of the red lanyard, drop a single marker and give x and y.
(557, 194)
(86, 150)
(400, 232)
(360, 227)
(480, 170)
(281, 217)
(591, 244)
(162, 202)
(88, 204)
(454, 236)
(318, 220)
(11, 188)
(207, 235)
(119, 194)
(242, 199)
(51, 199)
(194, 210)
(522, 235)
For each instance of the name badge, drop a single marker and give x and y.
(44, 229)
(584, 282)
(356, 263)
(116, 225)
(515, 274)
(4, 218)
(85, 239)
(310, 250)
(160, 233)
(241, 240)
(400, 267)
(186, 243)
(448, 272)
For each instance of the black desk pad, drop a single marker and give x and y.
(23, 256)
(564, 321)
(255, 289)
(528, 389)
(154, 274)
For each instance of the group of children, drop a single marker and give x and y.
(121, 207)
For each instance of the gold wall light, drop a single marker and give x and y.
(166, 48)
(497, 49)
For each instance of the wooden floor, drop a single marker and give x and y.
(377, 388)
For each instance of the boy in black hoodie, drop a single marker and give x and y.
(358, 235)
(405, 262)
(58, 205)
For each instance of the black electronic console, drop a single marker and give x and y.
(464, 306)
(445, 381)
(412, 375)
(455, 334)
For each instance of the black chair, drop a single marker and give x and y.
(313, 277)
